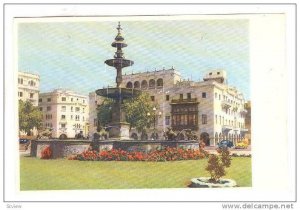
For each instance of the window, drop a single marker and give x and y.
(204, 119)
(167, 97)
(77, 117)
(152, 98)
(216, 119)
(48, 116)
(20, 94)
(31, 83)
(71, 108)
(216, 95)
(83, 118)
(204, 95)
(218, 72)
(129, 85)
(63, 125)
(48, 108)
(63, 108)
(160, 83)
(83, 101)
(77, 109)
(63, 99)
(144, 84)
(48, 99)
(189, 96)
(41, 109)
(219, 96)
(83, 110)
(152, 83)
(40, 100)
(72, 99)
(210, 73)
(181, 96)
(31, 95)
(71, 117)
(63, 117)
(167, 120)
(20, 80)
(136, 84)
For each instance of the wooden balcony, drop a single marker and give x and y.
(184, 101)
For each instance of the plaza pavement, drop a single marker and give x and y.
(213, 150)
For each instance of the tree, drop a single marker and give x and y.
(216, 165)
(29, 116)
(136, 112)
(104, 113)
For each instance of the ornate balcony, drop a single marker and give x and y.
(184, 101)
(226, 105)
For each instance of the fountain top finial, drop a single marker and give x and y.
(119, 27)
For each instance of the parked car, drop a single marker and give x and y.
(23, 141)
(225, 144)
(24, 144)
(241, 145)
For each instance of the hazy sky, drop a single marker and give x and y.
(72, 54)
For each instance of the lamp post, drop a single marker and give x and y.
(154, 123)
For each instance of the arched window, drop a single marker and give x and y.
(160, 83)
(129, 85)
(134, 136)
(136, 84)
(144, 136)
(152, 83)
(144, 84)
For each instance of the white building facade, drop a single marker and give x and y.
(65, 112)
(28, 87)
(211, 108)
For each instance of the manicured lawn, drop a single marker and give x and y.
(62, 174)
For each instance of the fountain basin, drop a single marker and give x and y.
(66, 147)
(115, 93)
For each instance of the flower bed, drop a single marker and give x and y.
(167, 154)
(46, 153)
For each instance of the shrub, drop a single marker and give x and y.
(217, 163)
(46, 153)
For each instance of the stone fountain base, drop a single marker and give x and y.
(65, 148)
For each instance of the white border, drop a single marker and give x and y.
(272, 152)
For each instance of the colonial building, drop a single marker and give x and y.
(94, 101)
(65, 112)
(248, 120)
(213, 109)
(28, 87)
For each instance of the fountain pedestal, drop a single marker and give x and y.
(119, 131)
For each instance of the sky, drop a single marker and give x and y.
(71, 55)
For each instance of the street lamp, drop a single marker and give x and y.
(154, 115)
